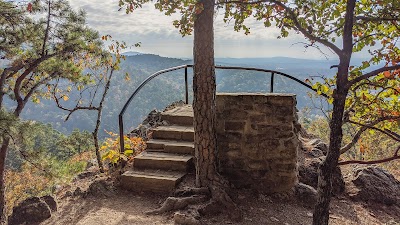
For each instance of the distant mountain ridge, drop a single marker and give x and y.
(131, 53)
(169, 87)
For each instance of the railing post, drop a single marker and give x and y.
(272, 82)
(186, 86)
(121, 134)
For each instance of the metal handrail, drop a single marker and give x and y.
(273, 73)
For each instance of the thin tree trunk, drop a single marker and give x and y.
(3, 155)
(98, 121)
(97, 148)
(321, 210)
(204, 88)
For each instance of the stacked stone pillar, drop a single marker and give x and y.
(257, 141)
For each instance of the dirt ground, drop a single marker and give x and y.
(123, 207)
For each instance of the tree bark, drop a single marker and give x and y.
(98, 121)
(204, 88)
(3, 155)
(321, 210)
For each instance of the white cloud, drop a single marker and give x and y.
(157, 34)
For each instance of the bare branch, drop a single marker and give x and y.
(365, 127)
(394, 157)
(69, 110)
(376, 19)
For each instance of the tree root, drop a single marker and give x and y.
(190, 217)
(192, 191)
(220, 196)
(220, 202)
(174, 203)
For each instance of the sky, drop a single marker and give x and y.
(158, 36)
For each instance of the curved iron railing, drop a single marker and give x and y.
(273, 73)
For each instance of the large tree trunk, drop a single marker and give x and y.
(204, 89)
(3, 155)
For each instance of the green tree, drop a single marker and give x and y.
(365, 97)
(102, 71)
(43, 41)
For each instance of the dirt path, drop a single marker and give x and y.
(121, 208)
(126, 208)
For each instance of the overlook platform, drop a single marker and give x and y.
(257, 145)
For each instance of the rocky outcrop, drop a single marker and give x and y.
(312, 154)
(308, 174)
(153, 119)
(376, 185)
(33, 210)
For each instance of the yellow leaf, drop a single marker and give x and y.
(65, 98)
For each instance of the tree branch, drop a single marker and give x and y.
(70, 110)
(46, 34)
(20, 79)
(365, 127)
(376, 19)
(394, 157)
(296, 22)
(372, 73)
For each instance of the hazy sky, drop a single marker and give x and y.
(158, 36)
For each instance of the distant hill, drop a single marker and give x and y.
(131, 53)
(167, 88)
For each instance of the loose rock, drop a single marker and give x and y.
(32, 211)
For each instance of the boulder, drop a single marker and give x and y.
(306, 194)
(101, 187)
(377, 185)
(33, 210)
(51, 202)
(308, 174)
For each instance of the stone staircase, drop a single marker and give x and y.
(169, 155)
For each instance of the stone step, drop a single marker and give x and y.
(180, 115)
(174, 132)
(163, 161)
(151, 180)
(171, 146)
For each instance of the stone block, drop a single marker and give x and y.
(234, 114)
(257, 118)
(229, 137)
(233, 154)
(234, 126)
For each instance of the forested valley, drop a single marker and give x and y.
(63, 85)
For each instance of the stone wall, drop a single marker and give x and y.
(257, 140)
